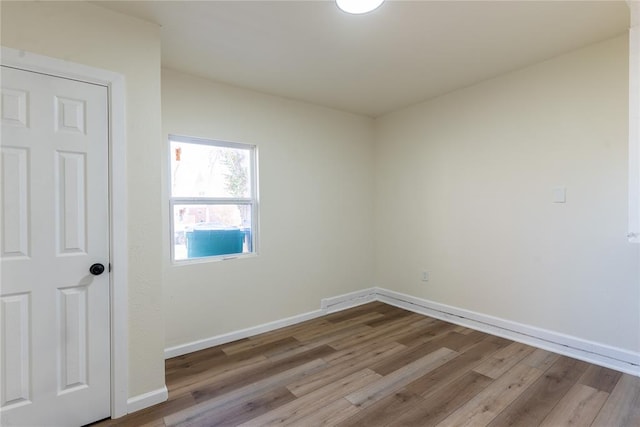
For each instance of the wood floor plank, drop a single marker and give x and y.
(179, 362)
(622, 408)
(400, 378)
(452, 340)
(487, 404)
(396, 334)
(456, 368)
(504, 360)
(220, 364)
(189, 383)
(408, 355)
(317, 342)
(330, 415)
(578, 407)
(233, 415)
(461, 344)
(215, 363)
(252, 348)
(541, 359)
(276, 334)
(387, 317)
(330, 335)
(242, 394)
(600, 378)
(537, 401)
(427, 333)
(443, 401)
(339, 370)
(376, 365)
(153, 414)
(308, 404)
(363, 348)
(464, 330)
(398, 325)
(259, 372)
(370, 307)
(386, 411)
(359, 322)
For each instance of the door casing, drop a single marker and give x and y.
(115, 85)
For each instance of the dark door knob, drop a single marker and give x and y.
(96, 269)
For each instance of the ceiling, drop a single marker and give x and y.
(402, 53)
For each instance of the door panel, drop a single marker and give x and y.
(16, 356)
(15, 215)
(55, 348)
(70, 204)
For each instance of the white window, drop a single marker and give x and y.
(214, 203)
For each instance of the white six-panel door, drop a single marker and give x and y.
(54, 314)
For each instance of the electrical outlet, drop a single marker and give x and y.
(425, 276)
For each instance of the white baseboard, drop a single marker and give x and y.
(352, 299)
(589, 351)
(145, 400)
(577, 348)
(328, 305)
(179, 350)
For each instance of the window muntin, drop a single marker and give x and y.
(213, 199)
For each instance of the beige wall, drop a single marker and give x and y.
(464, 189)
(90, 35)
(316, 183)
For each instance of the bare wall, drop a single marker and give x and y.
(464, 190)
(316, 202)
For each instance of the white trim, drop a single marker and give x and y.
(119, 252)
(589, 351)
(145, 400)
(634, 131)
(179, 350)
(118, 194)
(342, 302)
(328, 305)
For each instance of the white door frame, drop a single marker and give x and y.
(117, 202)
(634, 122)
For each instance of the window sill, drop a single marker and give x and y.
(212, 259)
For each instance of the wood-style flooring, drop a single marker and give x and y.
(378, 365)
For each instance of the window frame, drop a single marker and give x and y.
(251, 200)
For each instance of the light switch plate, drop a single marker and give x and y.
(559, 195)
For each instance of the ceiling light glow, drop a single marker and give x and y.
(358, 7)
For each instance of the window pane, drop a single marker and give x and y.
(202, 170)
(211, 230)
